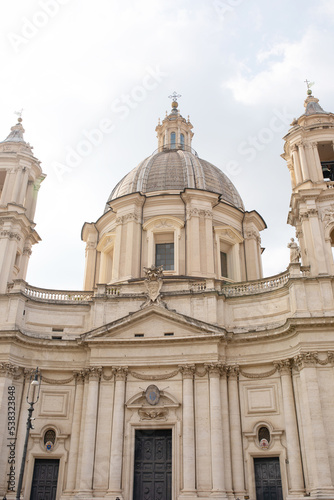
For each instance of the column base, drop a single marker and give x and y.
(219, 495)
(114, 494)
(323, 493)
(294, 494)
(83, 494)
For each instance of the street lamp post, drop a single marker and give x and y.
(35, 387)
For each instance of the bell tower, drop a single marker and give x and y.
(309, 153)
(20, 179)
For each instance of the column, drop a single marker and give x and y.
(32, 209)
(90, 265)
(116, 267)
(23, 187)
(217, 451)
(318, 169)
(226, 433)
(303, 162)
(103, 435)
(292, 174)
(29, 198)
(209, 250)
(202, 434)
(296, 480)
(6, 190)
(88, 451)
(193, 243)
(296, 164)
(8, 246)
(17, 185)
(75, 433)
(188, 430)
(315, 435)
(117, 436)
(24, 260)
(319, 255)
(251, 254)
(235, 432)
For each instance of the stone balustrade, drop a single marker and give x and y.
(200, 286)
(57, 295)
(258, 286)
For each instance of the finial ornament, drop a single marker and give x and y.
(174, 96)
(309, 85)
(19, 114)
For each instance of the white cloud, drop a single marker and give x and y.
(293, 62)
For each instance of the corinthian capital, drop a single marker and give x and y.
(305, 360)
(187, 371)
(283, 366)
(120, 372)
(214, 369)
(233, 371)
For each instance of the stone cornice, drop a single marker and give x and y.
(218, 369)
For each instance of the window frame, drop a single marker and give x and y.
(163, 225)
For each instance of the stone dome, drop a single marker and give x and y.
(173, 170)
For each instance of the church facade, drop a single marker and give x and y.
(179, 371)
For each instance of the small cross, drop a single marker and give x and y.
(309, 84)
(174, 96)
(19, 113)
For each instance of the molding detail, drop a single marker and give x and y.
(53, 381)
(123, 219)
(142, 376)
(195, 212)
(258, 375)
(156, 414)
(11, 370)
(10, 235)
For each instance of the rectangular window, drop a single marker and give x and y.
(164, 256)
(223, 264)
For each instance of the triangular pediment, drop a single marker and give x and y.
(153, 322)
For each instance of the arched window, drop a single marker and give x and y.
(172, 140)
(50, 436)
(182, 141)
(264, 433)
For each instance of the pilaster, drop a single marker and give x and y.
(116, 454)
(188, 431)
(235, 432)
(316, 443)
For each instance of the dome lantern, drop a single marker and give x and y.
(175, 132)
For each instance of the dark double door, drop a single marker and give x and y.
(153, 465)
(268, 479)
(44, 481)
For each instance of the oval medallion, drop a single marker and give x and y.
(152, 395)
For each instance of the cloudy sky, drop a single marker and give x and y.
(94, 77)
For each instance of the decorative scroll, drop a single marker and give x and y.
(258, 375)
(53, 381)
(141, 376)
